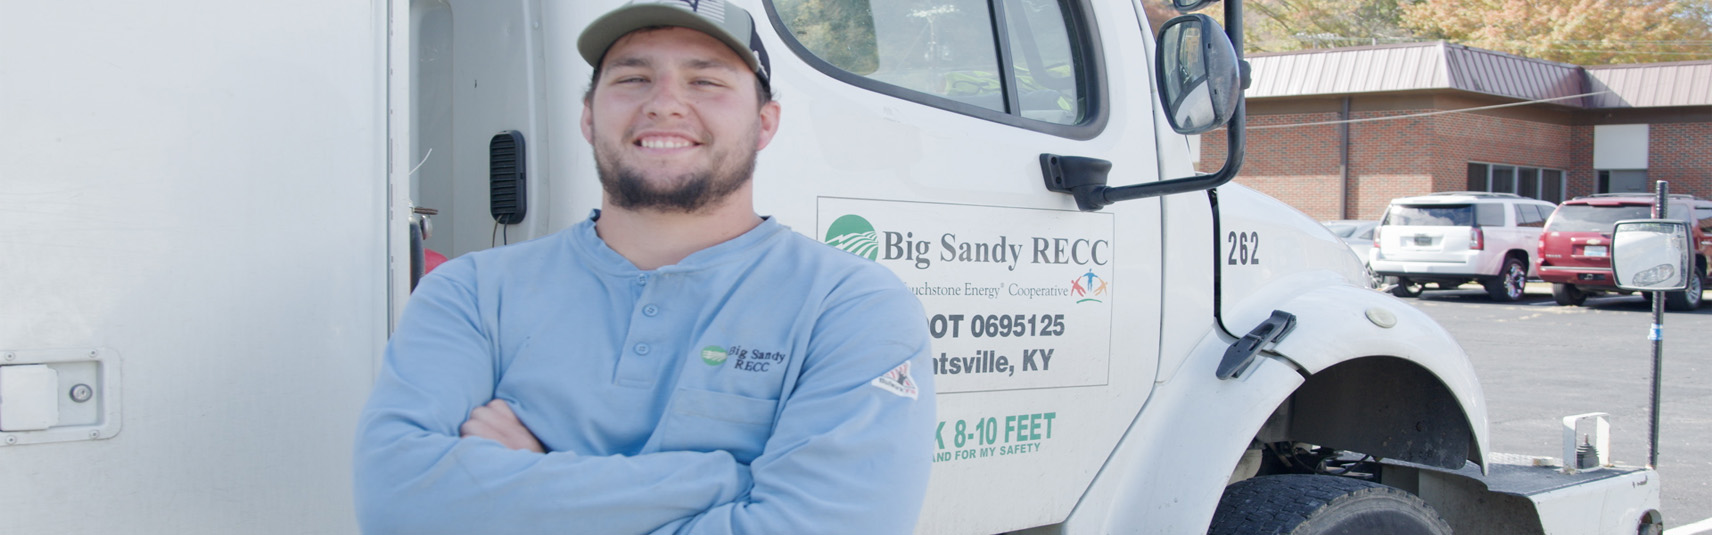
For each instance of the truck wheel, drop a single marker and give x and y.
(1406, 288)
(1685, 300)
(1300, 504)
(1568, 295)
(1509, 283)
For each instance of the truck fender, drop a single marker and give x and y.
(1359, 347)
(1171, 466)
(1168, 472)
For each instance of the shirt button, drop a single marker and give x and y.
(642, 280)
(650, 311)
(641, 349)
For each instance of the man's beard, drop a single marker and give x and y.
(687, 193)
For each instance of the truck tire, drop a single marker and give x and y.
(1685, 300)
(1407, 288)
(1299, 504)
(1512, 279)
(1568, 295)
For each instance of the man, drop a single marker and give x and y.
(675, 364)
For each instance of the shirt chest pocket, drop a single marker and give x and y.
(704, 420)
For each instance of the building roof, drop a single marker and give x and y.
(1438, 65)
(1645, 85)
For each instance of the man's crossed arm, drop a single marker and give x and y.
(495, 421)
(437, 453)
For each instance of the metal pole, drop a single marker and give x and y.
(1661, 210)
(1343, 161)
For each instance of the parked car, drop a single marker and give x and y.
(1574, 253)
(1358, 235)
(1452, 238)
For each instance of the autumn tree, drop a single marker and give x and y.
(1283, 25)
(1583, 32)
(839, 31)
(1279, 25)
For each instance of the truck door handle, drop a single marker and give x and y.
(1241, 354)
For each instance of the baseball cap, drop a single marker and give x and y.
(730, 24)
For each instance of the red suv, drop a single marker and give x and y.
(1574, 253)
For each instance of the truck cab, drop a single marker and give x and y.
(1121, 339)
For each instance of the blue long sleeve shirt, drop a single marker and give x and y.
(768, 384)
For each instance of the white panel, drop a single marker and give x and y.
(1620, 146)
(201, 187)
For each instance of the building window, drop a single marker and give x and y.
(1622, 181)
(1532, 182)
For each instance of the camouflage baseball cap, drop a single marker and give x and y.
(730, 24)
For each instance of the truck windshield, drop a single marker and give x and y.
(1431, 215)
(1589, 218)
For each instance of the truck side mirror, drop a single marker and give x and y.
(1200, 78)
(1650, 255)
(1185, 6)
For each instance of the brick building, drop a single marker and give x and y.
(1338, 133)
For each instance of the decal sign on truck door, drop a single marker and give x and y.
(1015, 298)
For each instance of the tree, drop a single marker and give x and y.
(838, 31)
(1583, 32)
(1279, 25)
(1283, 25)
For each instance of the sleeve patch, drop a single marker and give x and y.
(897, 381)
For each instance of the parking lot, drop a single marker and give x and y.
(1539, 362)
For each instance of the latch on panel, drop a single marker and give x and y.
(58, 395)
(27, 397)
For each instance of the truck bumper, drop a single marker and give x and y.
(1469, 268)
(1587, 277)
(1518, 498)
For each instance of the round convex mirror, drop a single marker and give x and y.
(1198, 76)
(1650, 254)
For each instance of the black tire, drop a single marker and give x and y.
(1511, 281)
(1299, 504)
(1685, 300)
(1407, 288)
(1568, 295)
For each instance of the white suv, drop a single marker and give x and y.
(1453, 238)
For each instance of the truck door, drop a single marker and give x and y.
(472, 147)
(912, 135)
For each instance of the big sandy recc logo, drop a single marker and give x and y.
(713, 355)
(854, 235)
(1088, 287)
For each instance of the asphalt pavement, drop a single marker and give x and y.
(1539, 362)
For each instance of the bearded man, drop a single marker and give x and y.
(674, 364)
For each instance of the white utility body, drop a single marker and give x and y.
(205, 222)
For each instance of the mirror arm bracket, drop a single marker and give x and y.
(1085, 178)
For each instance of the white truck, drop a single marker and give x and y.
(209, 214)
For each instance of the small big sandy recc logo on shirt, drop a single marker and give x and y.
(713, 355)
(854, 235)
